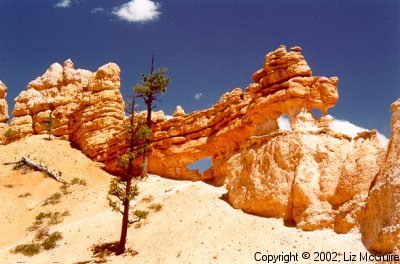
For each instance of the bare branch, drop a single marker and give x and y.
(11, 163)
(135, 221)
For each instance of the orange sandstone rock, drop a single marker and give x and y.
(305, 175)
(3, 129)
(281, 65)
(298, 174)
(381, 226)
(179, 111)
(3, 103)
(311, 175)
(219, 132)
(87, 107)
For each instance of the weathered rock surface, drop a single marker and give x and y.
(3, 113)
(301, 176)
(3, 129)
(179, 111)
(3, 103)
(311, 175)
(381, 225)
(87, 107)
(284, 86)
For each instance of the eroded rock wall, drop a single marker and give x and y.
(3, 103)
(381, 226)
(87, 107)
(311, 175)
(3, 113)
(304, 176)
(284, 85)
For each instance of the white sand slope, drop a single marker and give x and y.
(195, 224)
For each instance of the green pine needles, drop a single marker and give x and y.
(124, 189)
(149, 89)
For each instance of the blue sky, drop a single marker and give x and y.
(211, 46)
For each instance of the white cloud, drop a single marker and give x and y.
(63, 4)
(138, 11)
(350, 129)
(340, 126)
(198, 96)
(97, 10)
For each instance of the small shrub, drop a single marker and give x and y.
(24, 195)
(147, 199)
(42, 216)
(38, 222)
(27, 249)
(51, 241)
(54, 199)
(78, 181)
(138, 225)
(57, 217)
(64, 189)
(33, 227)
(75, 181)
(65, 213)
(142, 214)
(156, 207)
(53, 219)
(10, 133)
(42, 233)
(23, 168)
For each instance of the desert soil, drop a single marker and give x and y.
(195, 224)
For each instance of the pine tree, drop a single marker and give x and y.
(50, 124)
(149, 89)
(9, 135)
(124, 189)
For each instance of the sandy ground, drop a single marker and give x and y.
(195, 224)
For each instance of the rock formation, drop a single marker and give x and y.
(284, 86)
(304, 176)
(381, 226)
(179, 111)
(3, 113)
(87, 107)
(311, 175)
(3, 103)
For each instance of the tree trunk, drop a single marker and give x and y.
(145, 152)
(54, 174)
(148, 122)
(128, 181)
(125, 218)
(144, 171)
